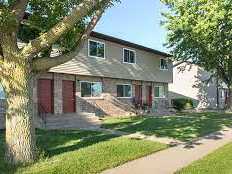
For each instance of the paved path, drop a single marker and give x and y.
(172, 159)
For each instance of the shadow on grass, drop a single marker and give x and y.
(184, 127)
(55, 142)
(58, 141)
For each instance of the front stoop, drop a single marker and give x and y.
(71, 121)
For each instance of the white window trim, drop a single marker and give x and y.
(101, 97)
(96, 42)
(129, 50)
(126, 85)
(224, 96)
(160, 64)
(162, 97)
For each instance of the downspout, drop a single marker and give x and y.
(217, 85)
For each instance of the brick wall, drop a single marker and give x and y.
(108, 104)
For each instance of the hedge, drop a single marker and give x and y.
(182, 103)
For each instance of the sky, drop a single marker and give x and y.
(137, 21)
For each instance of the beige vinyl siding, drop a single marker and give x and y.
(147, 67)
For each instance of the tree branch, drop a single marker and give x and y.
(44, 64)
(19, 9)
(181, 62)
(48, 38)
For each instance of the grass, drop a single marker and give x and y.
(183, 127)
(217, 162)
(81, 152)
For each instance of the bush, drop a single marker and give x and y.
(182, 103)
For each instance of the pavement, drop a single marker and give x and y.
(170, 160)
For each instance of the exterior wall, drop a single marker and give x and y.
(109, 103)
(147, 67)
(191, 84)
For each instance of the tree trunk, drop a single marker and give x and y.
(20, 133)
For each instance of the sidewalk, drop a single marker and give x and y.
(170, 160)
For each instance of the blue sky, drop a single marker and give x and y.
(137, 21)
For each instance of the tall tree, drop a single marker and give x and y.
(200, 32)
(41, 24)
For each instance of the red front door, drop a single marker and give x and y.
(45, 96)
(149, 95)
(138, 94)
(69, 100)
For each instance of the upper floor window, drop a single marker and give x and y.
(129, 56)
(91, 89)
(163, 64)
(124, 91)
(159, 92)
(96, 49)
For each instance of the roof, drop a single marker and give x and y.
(127, 43)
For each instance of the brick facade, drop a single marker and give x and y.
(108, 104)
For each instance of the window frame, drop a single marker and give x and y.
(123, 90)
(222, 94)
(100, 97)
(100, 42)
(124, 55)
(161, 97)
(166, 69)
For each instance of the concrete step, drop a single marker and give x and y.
(63, 121)
(72, 119)
(110, 108)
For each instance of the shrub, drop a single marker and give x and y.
(182, 103)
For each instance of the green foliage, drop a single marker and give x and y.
(8, 20)
(182, 103)
(201, 31)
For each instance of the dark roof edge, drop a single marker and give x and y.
(126, 43)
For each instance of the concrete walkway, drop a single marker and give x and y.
(170, 160)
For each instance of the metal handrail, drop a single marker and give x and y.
(42, 114)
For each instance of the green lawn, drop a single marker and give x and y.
(182, 127)
(218, 162)
(81, 152)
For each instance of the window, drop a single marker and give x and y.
(124, 91)
(159, 92)
(222, 93)
(129, 56)
(96, 49)
(91, 89)
(163, 64)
